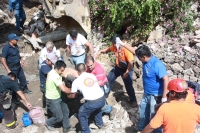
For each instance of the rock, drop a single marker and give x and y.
(188, 72)
(169, 73)
(193, 79)
(93, 126)
(176, 68)
(173, 77)
(123, 123)
(186, 77)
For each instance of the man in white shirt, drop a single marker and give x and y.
(76, 46)
(94, 97)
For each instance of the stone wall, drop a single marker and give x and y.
(181, 60)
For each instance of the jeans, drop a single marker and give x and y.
(147, 112)
(78, 59)
(60, 113)
(43, 90)
(86, 110)
(20, 18)
(115, 73)
(19, 72)
(106, 108)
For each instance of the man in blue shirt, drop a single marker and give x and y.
(16, 8)
(46, 67)
(155, 82)
(12, 61)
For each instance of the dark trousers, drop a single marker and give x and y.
(60, 113)
(8, 114)
(20, 18)
(86, 110)
(115, 73)
(18, 71)
(43, 90)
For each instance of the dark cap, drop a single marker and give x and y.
(13, 36)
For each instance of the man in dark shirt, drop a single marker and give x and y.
(12, 61)
(8, 83)
(46, 67)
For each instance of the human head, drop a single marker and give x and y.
(113, 38)
(89, 61)
(13, 38)
(49, 46)
(73, 34)
(12, 75)
(60, 67)
(177, 89)
(80, 68)
(143, 53)
(40, 7)
(51, 59)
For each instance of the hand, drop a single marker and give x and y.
(29, 106)
(164, 100)
(22, 62)
(125, 75)
(8, 71)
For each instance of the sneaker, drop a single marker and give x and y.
(69, 129)
(50, 128)
(113, 113)
(27, 91)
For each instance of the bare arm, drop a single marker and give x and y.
(148, 129)
(106, 50)
(68, 50)
(72, 95)
(130, 48)
(166, 81)
(28, 105)
(90, 47)
(64, 89)
(130, 66)
(3, 61)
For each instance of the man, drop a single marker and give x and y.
(94, 97)
(8, 83)
(96, 69)
(178, 115)
(59, 109)
(155, 82)
(12, 61)
(123, 67)
(16, 8)
(75, 46)
(46, 67)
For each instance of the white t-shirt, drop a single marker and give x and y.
(88, 85)
(77, 46)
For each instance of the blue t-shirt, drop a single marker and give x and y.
(43, 72)
(153, 72)
(15, 4)
(11, 54)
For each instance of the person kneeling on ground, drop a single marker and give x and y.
(8, 83)
(177, 115)
(94, 98)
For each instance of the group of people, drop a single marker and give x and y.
(91, 81)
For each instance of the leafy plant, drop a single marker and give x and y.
(139, 17)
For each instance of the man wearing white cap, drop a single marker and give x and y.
(46, 67)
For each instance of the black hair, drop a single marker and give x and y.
(59, 64)
(113, 38)
(143, 51)
(73, 32)
(89, 58)
(178, 95)
(11, 74)
(80, 67)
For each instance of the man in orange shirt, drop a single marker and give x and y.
(177, 115)
(123, 67)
